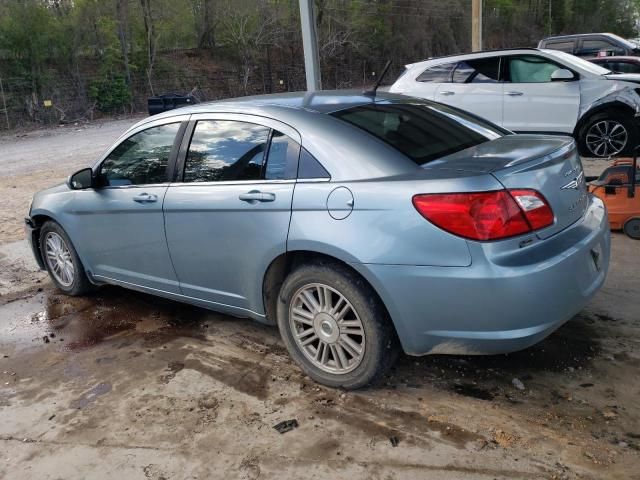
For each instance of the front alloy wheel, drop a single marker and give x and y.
(59, 259)
(62, 261)
(327, 329)
(606, 138)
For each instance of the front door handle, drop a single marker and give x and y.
(447, 92)
(145, 198)
(515, 94)
(256, 196)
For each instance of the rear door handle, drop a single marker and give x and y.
(256, 196)
(447, 92)
(145, 198)
(515, 94)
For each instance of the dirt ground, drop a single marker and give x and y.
(124, 385)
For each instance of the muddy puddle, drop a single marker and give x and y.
(77, 323)
(73, 324)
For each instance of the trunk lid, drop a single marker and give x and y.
(548, 164)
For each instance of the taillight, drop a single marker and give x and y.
(486, 215)
(535, 208)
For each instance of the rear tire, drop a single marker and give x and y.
(62, 262)
(320, 304)
(632, 228)
(606, 134)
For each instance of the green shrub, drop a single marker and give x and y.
(110, 93)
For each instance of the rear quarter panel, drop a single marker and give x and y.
(383, 226)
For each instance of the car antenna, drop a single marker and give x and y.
(372, 92)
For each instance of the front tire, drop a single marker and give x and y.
(334, 326)
(632, 228)
(61, 260)
(608, 134)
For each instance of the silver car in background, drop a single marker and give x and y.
(356, 223)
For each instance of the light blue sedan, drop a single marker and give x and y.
(356, 223)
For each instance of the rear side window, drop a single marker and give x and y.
(422, 132)
(309, 167)
(226, 150)
(482, 70)
(437, 74)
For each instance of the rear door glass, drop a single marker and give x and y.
(437, 74)
(481, 70)
(422, 132)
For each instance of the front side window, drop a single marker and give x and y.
(437, 74)
(421, 131)
(226, 150)
(141, 159)
(530, 69)
(593, 47)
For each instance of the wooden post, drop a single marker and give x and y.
(476, 25)
(4, 105)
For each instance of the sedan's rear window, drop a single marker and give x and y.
(422, 132)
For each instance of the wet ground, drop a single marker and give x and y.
(124, 385)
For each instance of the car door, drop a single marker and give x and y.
(535, 103)
(228, 215)
(475, 86)
(120, 221)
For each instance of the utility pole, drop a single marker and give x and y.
(310, 45)
(476, 25)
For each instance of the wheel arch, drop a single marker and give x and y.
(285, 263)
(38, 220)
(615, 105)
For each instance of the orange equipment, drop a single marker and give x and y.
(619, 189)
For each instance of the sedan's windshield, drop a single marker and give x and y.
(422, 131)
(579, 62)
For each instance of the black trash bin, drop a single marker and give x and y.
(162, 103)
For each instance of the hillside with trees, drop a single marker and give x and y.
(103, 57)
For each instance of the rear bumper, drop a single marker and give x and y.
(31, 232)
(504, 301)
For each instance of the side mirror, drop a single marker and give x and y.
(562, 75)
(609, 190)
(81, 179)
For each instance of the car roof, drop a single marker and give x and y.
(321, 134)
(483, 53)
(578, 35)
(324, 101)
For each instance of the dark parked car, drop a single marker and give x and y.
(591, 45)
(618, 64)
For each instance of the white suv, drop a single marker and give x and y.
(535, 90)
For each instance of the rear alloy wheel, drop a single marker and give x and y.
(326, 328)
(334, 326)
(632, 228)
